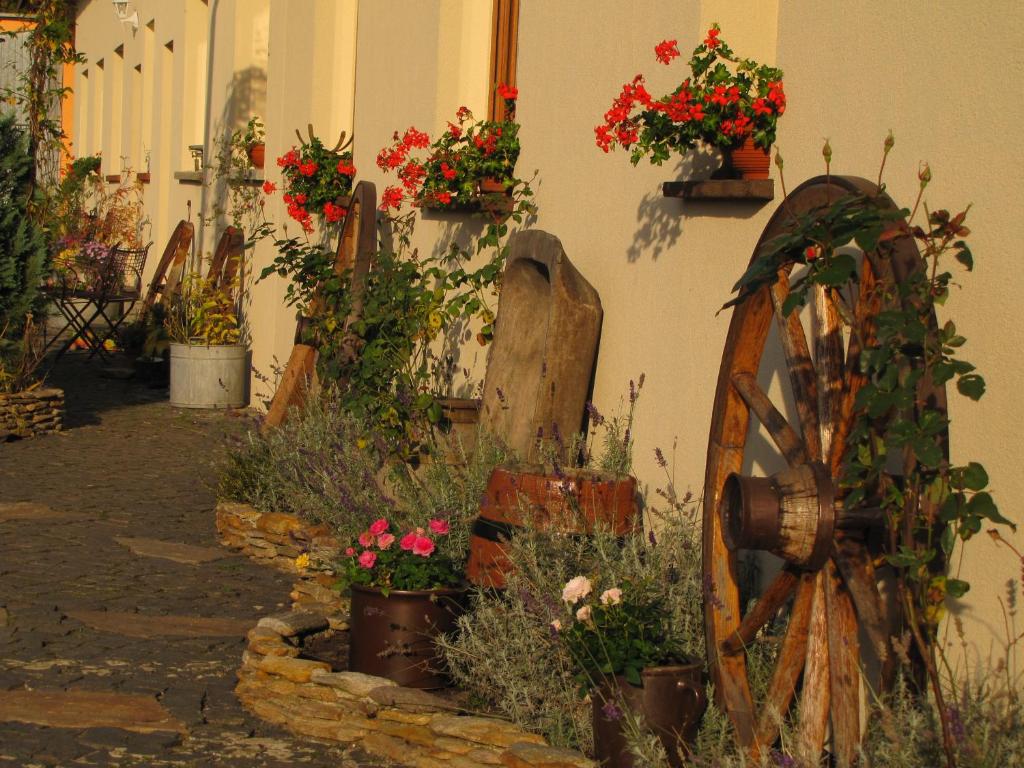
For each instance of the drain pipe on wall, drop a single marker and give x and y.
(207, 128)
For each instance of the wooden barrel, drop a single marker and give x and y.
(574, 503)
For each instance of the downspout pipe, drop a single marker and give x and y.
(207, 130)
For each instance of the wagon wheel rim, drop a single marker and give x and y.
(831, 586)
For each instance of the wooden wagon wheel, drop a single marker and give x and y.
(828, 580)
(356, 245)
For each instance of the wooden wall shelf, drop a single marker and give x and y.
(735, 190)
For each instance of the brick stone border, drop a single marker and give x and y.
(409, 726)
(277, 539)
(30, 413)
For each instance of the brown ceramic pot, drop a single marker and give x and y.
(575, 504)
(749, 161)
(671, 702)
(393, 636)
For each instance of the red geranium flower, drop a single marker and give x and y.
(448, 172)
(307, 169)
(666, 50)
(508, 92)
(391, 198)
(712, 40)
(346, 168)
(268, 187)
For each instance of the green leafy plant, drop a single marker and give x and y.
(239, 199)
(414, 561)
(935, 504)
(203, 313)
(724, 101)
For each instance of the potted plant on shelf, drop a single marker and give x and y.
(726, 102)
(209, 359)
(405, 592)
(318, 180)
(627, 661)
(471, 160)
(254, 141)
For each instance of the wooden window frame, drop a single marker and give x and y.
(504, 45)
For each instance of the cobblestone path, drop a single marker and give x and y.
(104, 660)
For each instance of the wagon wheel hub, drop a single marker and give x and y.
(790, 514)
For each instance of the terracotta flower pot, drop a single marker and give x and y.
(574, 503)
(493, 186)
(749, 161)
(256, 154)
(671, 702)
(393, 636)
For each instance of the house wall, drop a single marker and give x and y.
(662, 267)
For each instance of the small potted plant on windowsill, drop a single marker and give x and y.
(730, 103)
(209, 359)
(405, 592)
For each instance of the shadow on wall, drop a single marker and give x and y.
(660, 219)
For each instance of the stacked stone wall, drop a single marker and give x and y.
(34, 412)
(412, 727)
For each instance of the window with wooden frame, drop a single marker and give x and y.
(504, 41)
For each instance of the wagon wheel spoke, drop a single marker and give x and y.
(816, 692)
(789, 665)
(773, 598)
(844, 670)
(786, 440)
(828, 364)
(854, 562)
(801, 370)
(863, 334)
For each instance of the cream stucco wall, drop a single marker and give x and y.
(662, 267)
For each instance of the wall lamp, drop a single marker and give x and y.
(121, 9)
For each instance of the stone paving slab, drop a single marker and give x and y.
(27, 510)
(88, 709)
(186, 554)
(129, 466)
(141, 625)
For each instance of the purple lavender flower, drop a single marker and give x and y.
(783, 761)
(611, 711)
(595, 416)
(501, 396)
(651, 538)
(660, 458)
(956, 723)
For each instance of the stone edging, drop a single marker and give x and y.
(277, 539)
(409, 726)
(29, 413)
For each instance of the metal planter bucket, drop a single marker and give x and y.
(671, 702)
(209, 377)
(393, 636)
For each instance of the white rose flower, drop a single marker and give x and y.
(583, 614)
(611, 596)
(575, 589)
